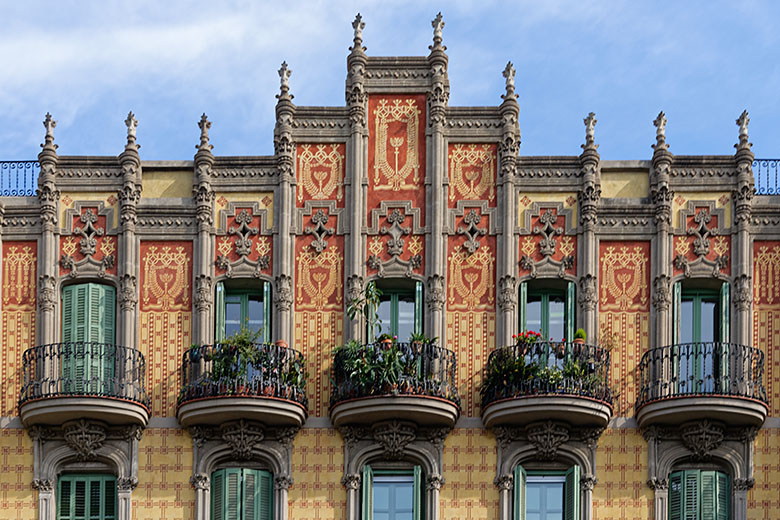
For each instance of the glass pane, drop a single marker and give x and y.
(533, 497)
(556, 310)
(384, 316)
(255, 312)
(232, 317)
(533, 313)
(686, 322)
(544, 499)
(709, 321)
(381, 497)
(403, 497)
(554, 498)
(405, 316)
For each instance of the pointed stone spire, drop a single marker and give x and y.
(284, 82)
(48, 140)
(357, 41)
(660, 132)
(509, 74)
(438, 25)
(132, 125)
(204, 124)
(590, 132)
(743, 121)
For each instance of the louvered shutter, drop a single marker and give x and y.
(722, 496)
(67, 358)
(265, 492)
(569, 317)
(675, 496)
(519, 493)
(65, 499)
(109, 498)
(266, 312)
(80, 360)
(368, 493)
(523, 305)
(572, 494)
(232, 501)
(87, 497)
(676, 309)
(691, 495)
(417, 490)
(708, 505)
(218, 495)
(219, 313)
(108, 358)
(250, 498)
(725, 317)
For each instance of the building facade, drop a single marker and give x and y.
(130, 388)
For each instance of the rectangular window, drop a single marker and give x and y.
(400, 312)
(392, 494)
(546, 495)
(699, 495)
(548, 311)
(241, 494)
(243, 307)
(86, 497)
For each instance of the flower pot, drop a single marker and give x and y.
(579, 341)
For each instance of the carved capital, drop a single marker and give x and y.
(744, 484)
(434, 482)
(283, 482)
(354, 287)
(126, 483)
(351, 481)
(45, 485)
(507, 293)
(659, 484)
(47, 292)
(284, 293)
(743, 292)
(202, 297)
(588, 483)
(588, 297)
(662, 292)
(128, 292)
(504, 482)
(200, 481)
(435, 293)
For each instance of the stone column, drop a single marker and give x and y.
(284, 149)
(202, 484)
(662, 196)
(352, 483)
(588, 260)
(742, 290)
(355, 179)
(505, 485)
(204, 247)
(281, 487)
(48, 197)
(129, 196)
(506, 270)
(586, 496)
(436, 179)
(433, 489)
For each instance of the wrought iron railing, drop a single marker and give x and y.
(252, 370)
(766, 173)
(693, 369)
(83, 369)
(375, 369)
(19, 178)
(546, 368)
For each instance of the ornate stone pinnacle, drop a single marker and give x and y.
(204, 124)
(438, 25)
(132, 125)
(49, 124)
(660, 132)
(509, 74)
(743, 121)
(590, 131)
(357, 42)
(284, 80)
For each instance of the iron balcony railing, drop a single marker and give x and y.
(546, 368)
(19, 178)
(766, 173)
(387, 368)
(83, 369)
(695, 369)
(251, 370)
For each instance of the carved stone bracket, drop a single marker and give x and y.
(320, 231)
(394, 436)
(547, 437)
(85, 438)
(702, 437)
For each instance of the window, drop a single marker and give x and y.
(88, 334)
(241, 494)
(248, 307)
(392, 494)
(547, 309)
(699, 495)
(400, 309)
(86, 497)
(547, 495)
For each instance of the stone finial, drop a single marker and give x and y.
(438, 25)
(590, 131)
(204, 124)
(660, 132)
(743, 121)
(284, 80)
(48, 140)
(509, 74)
(132, 125)
(357, 42)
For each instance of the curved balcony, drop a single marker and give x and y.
(260, 382)
(719, 381)
(543, 380)
(382, 381)
(65, 381)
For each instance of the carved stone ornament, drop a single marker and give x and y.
(662, 292)
(588, 483)
(200, 481)
(244, 233)
(434, 482)
(472, 231)
(88, 247)
(202, 297)
(658, 483)
(351, 482)
(128, 292)
(126, 483)
(85, 438)
(588, 297)
(743, 292)
(548, 232)
(47, 292)
(507, 292)
(435, 292)
(320, 231)
(395, 246)
(354, 287)
(242, 437)
(283, 482)
(547, 247)
(547, 437)
(701, 244)
(702, 437)
(744, 484)
(43, 484)
(504, 482)
(284, 292)
(394, 436)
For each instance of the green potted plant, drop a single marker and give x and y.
(233, 356)
(580, 336)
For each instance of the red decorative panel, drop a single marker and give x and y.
(701, 237)
(766, 273)
(320, 173)
(548, 241)
(89, 238)
(766, 315)
(472, 173)
(244, 241)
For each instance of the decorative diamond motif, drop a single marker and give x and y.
(416, 244)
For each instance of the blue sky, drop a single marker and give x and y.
(89, 63)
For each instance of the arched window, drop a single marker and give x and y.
(241, 494)
(391, 493)
(699, 495)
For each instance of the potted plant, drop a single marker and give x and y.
(233, 356)
(386, 340)
(580, 336)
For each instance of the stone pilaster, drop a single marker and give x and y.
(436, 179)
(589, 195)
(661, 197)
(129, 196)
(508, 150)
(284, 149)
(355, 180)
(48, 198)
(742, 289)
(203, 194)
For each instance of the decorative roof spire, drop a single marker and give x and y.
(48, 141)
(743, 122)
(284, 80)
(132, 125)
(509, 74)
(438, 25)
(204, 124)
(660, 132)
(357, 42)
(590, 133)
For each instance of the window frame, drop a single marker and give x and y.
(89, 479)
(263, 490)
(681, 503)
(367, 489)
(569, 315)
(222, 295)
(572, 507)
(394, 293)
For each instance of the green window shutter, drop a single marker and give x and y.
(231, 503)
(519, 494)
(418, 308)
(109, 314)
(250, 495)
(266, 312)
(707, 485)
(523, 304)
(368, 493)
(218, 495)
(723, 494)
(690, 500)
(676, 309)
(572, 494)
(569, 317)
(675, 496)
(65, 499)
(87, 497)
(418, 488)
(67, 360)
(219, 312)
(725, 292)
(265, 493)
